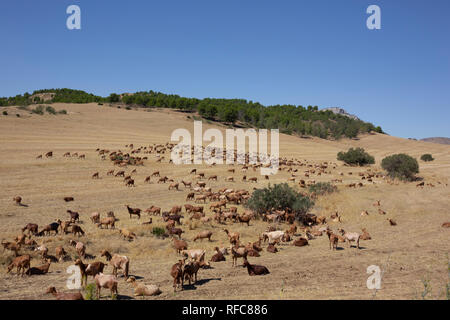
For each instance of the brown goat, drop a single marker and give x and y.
(65, 296)
(179, 245)
(255, 270)
(134, 211)
(190, 270)
(333, 240)
(218, 256)
(300, 242)
(40, 269)
(204, 235)
(177, 274)
(17, 200)
(117, 262)
(21, 263)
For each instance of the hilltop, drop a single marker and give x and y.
(440, 140)
(289, 119)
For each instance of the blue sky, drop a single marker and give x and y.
(275, 52)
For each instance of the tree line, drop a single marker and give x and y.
(290, 119)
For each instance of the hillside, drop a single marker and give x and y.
(440, 140)
(290, 119)
(416, 249)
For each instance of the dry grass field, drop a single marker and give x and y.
(414, 251)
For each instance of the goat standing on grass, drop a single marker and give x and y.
(117, 262)
(350, 237)
(333, 240)
(134, 211)
(238, 252)
(21, 263)
(177, 274)
(106, 281)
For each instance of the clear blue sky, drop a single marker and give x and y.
(275, 52)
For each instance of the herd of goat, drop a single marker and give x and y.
(222, 210)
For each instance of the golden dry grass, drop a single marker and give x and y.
(416, 249)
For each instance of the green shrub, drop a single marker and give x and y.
(426, 157)
(158, 231)
(5, 113)
(90, 292)
(356, 157)
(62, 112)
(280, 196)
(38, 110)
(400, 166)
(50, 110)
(128, 108)
(322, 188)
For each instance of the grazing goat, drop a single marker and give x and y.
(244, 219)
(60, 253)
(255, 270)
(74, 216)
(21, 263)
(108, 222)
(117, 262)
(153, 210)
(190, 196)
(179, 245)
(232, 236)
(80, 247)
(172, 231)
(204, 235)
(127, 234)
(95, 217)
(77, 230)
(31, 228)
(12, 246)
